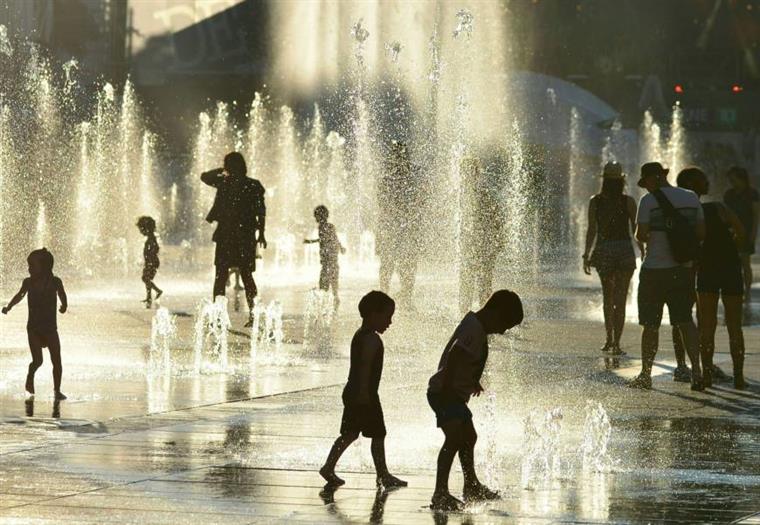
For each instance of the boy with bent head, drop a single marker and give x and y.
(458, 377)
(362, 412)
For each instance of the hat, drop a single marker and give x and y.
(612, 170)
(651, 169)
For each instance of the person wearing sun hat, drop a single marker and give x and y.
(664, 279)
(611, 221)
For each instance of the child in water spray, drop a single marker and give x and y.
(42, 328)
(147, 226)
(362, 412)
(329, 246)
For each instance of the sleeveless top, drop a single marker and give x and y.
(612, 217)
(719, 249)
(358, 356)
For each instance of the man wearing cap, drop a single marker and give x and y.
(663, 280)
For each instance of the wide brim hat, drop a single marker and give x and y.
(651, 169)
(613, 170)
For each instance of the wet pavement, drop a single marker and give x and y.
(137, 442)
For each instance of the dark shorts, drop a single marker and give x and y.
(613, 256)
(448, 408)
(671, 286)
(367, 420)
(43, 337)
(728, 280)
(231, 253)
(149, 272)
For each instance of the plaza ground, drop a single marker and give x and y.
(136, 443)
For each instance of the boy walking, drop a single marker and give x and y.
(458, 377)
(147, 226)
(362, 412)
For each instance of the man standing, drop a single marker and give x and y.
(666, 276)
(239, 212)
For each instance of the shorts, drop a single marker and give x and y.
(367, 420)
(661, 286)
(149, 273)
(613, 256)
(728, 280)
(448, 408)
(43, 337)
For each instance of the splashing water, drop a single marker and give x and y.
(464, 23)
(163, 333)
(266, 328)
(318, 319)
(393, 49)
(211, 324)
(359, 32)
(541, 459)
(596, 435)
(5, 43)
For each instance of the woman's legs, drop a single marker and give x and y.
(620, 297)
(733, 307)
(708, 321)
(608, 297)
(220, 280)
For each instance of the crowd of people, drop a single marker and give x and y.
(692, 253)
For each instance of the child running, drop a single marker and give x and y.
(362, 412)
(147, 226)
(41, 327)
(458, 377)
(329, 246)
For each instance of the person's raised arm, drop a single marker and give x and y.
(62, 297)
(370, 347)
(590, 235)
(213, 178)
(17, 298)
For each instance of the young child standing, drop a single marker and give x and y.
(147, 226)
(42, 328)
(458, 377)
(362, 412)
(329, 246)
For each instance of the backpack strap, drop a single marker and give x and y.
(665, 204)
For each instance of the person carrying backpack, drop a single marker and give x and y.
(671, 223)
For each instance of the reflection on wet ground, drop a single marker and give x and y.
(243, 445)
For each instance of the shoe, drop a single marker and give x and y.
(480, 492)
(642, 382)
(615, 350)
(697, 385)
(682, 374)
(446, 502)
(719, 376)
(606, 348)
(159, 294)
(147, 303)
(59, 396)
(389, 481)
(331, 478)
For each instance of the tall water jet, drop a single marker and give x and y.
(676, 152)
(42, 229)
(211, 324)
(576, 196)
(318, 319)
(650, 148)
(162, 335)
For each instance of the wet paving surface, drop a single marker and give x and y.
(136, 443)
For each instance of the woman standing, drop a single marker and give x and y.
(719, 274)
(744, 201)
(611, 219)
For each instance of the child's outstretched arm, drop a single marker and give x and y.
(62, 296)
(17, 298)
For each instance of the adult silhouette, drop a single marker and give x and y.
(239, 212)
(398, 236)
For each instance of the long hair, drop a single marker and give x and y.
(612, 186)
(739, 173)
